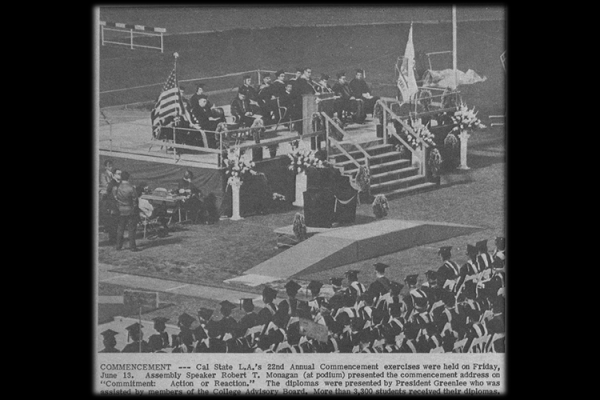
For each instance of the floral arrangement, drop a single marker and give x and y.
(300, 160)
(236, 167)
(451, 141)
(299, 226)
(421, 131)
(466, 118)
(363, 178)
(434, 161)
(380, 206)
(278, 197)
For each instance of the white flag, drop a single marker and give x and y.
(407, 82)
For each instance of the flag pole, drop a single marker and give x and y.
(454, 58)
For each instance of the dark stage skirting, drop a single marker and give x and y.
(255, 193)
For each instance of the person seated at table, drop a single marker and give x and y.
(147, 211)
(242, 110)
(361, 90)
(185, 185)
(194, 207)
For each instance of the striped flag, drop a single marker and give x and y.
(169, 104)
(407, 83)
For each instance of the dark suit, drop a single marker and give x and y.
(239, 108)
(344, 103)
(134, 347)
(126, 197)
(109, 350)
(359, 87)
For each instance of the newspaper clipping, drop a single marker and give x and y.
(276, 183)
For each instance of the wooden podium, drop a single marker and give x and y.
(310, 105)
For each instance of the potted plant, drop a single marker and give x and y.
(434, 161)
(380, 206)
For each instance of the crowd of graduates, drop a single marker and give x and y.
(457, 309)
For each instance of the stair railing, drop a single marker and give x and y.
(418, 153)
(338, 144)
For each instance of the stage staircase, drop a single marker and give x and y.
(392, 173)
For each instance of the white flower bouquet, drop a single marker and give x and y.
(421, 131)
(236, 167)
(300, 160)
(466, 119)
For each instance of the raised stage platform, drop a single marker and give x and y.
(347, 245)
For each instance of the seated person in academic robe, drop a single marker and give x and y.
(204, 117)
(286, 101)
(347, 102)
(242, 111)
(278, 85)
(267, 99)
(361, 90)
(251, 94)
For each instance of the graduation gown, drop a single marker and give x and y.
(134, 347)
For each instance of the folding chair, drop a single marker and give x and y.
(149, 225)
(279, 113)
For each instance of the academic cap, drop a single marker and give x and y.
(314, 286)
(500, 241)
(340, 74)
(202, 96)
(246, 304)
(279, 72)
(293, 286)
(324, 77)
(352, 274)
(227, 305)
(200, 85)
(445, 251)
(205, 313)
(160, 319)
(109, 333)
(396, 286)
(411, 279)
(431, 274)
(380, 267)
(471, 249)
(481, 245)
(136, 327)
(247, 77)
(336, 281)
(269, 292)
(360, 70)
(186, 320)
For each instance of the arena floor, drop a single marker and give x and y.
(211, 254)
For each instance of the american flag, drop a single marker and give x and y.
(168, 106)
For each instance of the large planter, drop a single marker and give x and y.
(300, 189)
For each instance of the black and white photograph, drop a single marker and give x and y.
(295, 180)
